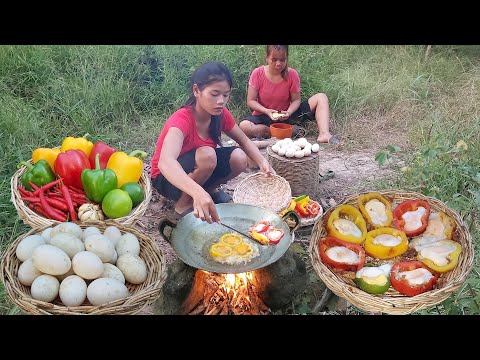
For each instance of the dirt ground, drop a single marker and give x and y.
(345, 169)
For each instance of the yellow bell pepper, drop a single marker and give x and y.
(366, 212)
(82, 143)
(49, 155)
(382, 251)
(352, 215)
(290, 207)
(128, 168)
(452, 258)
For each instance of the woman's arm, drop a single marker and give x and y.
(294, 104)
(171, 169)
(252, 102)
(250, 149)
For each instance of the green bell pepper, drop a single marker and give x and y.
(97, 182)
(40, 174)
(117, 203)
(373, 279)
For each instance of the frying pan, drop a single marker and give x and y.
(191, 238)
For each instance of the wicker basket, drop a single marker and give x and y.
(272, 192)
(392, 302)
(141, 295)
(302, 174)
(33, 219)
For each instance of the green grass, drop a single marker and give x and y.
(123, 95)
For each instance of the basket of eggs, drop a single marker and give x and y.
(391, 251)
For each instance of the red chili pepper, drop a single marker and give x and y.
(25, 192)
(329, 242)
(51, 212)
(406, 206)
(75, 190)
(34, 187)
(38, 209)
(68, 199)
(46, 187)
(56, 203)
(105, 152)
(69, 166)
(403, 286)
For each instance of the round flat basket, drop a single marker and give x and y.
(302, 174)
(392, 302)
(33, 219)
(140, 295)
(269, 192)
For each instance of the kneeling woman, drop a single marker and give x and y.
(190, 162)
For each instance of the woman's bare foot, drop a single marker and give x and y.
(328, 139)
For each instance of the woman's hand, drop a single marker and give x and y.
(274, 115)
(266, 168)
(204, 207)
(286, 115)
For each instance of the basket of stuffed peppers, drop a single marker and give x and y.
(392, 252)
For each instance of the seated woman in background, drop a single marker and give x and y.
(189, 161)
(275, 87)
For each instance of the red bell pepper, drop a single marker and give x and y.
(407, 206)
(415, 285)
(273, 235)
(69, 166)
(330, 242)
(105, 152)
(259, 227)
(313, 208)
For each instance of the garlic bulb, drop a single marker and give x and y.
(90, 211)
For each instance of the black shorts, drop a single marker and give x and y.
(187, 161)
(302, 111)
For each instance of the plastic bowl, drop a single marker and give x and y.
(281, 131)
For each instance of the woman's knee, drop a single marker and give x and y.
(238, 161)
(319, 99)
(206, 158)
(246, 126)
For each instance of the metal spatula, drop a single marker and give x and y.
(241, 232)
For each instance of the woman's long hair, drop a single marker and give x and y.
(203, 76)
(284, 48)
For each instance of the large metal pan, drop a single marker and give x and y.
(192, 238)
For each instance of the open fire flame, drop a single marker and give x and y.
(233, 294)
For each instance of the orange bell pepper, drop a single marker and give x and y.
(128, 168)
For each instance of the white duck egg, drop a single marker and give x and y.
(128, 243)
(290, 153)
(87, 265)
(307, 151)
(51, 260)
(73, 291)
(45, 288)
(299, 154)
(90, 231)
(113, 234)
(27, 273)
(27, 245)
(315, 148)
(282, 151)
(104, 290)
(275, 148)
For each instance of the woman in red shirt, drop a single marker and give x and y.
(189, 161)
(276, 88)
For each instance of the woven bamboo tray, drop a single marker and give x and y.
(392, 302)
(33, 219)
(302, 174)
(141, 295)
(272, 192)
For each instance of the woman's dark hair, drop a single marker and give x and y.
(284, 48)
(206, 74)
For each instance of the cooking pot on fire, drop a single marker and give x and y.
(191, 238)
